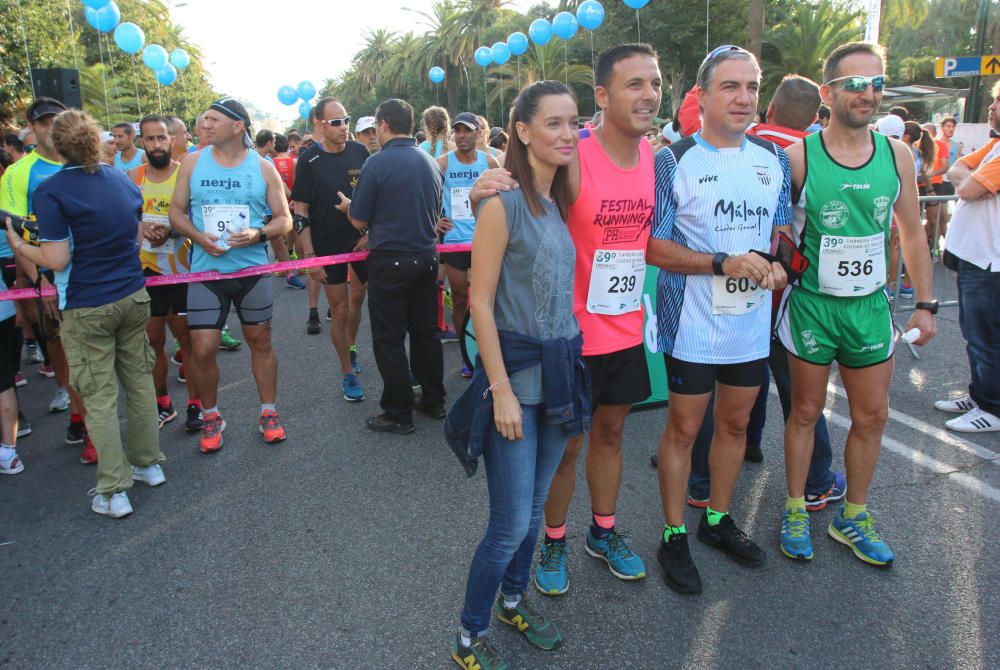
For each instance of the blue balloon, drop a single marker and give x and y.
(565, 25)
(129, 38)
(636, 4)
(436, 74)
(500, 52)
(180, 59)
(167, 75)
(105, 18)
(154, 57)
(483, 56)
(518, 43)
(590, 14)
(287, 95)
(95, 4)
(540, 32)
(306, 90)
(304, 108)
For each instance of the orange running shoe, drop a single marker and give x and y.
(89, 454)
(211, 433)
(270, 427)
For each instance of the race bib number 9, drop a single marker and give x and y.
(732, 296)
(616, 281)
(851, 266)
(225, 220)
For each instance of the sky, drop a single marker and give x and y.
(293, 40)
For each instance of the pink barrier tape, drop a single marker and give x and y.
(190, 277)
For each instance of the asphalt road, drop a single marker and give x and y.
(344, 549)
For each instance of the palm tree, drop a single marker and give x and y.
(368, 62)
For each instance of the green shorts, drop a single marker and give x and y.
(855, 332)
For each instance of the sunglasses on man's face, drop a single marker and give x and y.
(856, 83)
(336, 123)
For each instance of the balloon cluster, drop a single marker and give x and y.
(305, 91)
(105, 16)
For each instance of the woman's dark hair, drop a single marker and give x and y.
(923, 141)
(77, 138)
(523, 110)
(499, 140)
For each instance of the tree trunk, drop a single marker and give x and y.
(755, 26)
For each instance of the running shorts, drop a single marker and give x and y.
(460, 260)
(7, 343)
(855, 332)
(337, 274)
(618, 377)
(687, 378)
(209, 302)
(164, 300)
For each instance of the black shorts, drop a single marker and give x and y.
(9, 268)
(164, 300)
(337, 274)
(619, 377)
(687, 378)
(460, 260)
(209, 302)
(7, 342)
(944, 188)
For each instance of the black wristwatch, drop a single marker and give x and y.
(931, 306)
(717, 261)
(263, 236)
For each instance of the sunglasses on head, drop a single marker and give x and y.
(337, 122)
(725, 48)
(855, 83)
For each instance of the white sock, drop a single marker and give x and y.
(267, 406)
(7, 452)
(510, 602)
(466, 641)
(205, 411)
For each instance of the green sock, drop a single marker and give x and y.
(714, 517)
(669, 531)
(795, 503)
(353, 347)
(852, 511)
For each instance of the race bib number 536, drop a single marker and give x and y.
(851, 266)
(616, 280)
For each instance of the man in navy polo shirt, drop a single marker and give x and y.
(398, 199)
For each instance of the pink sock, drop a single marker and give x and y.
(163, 400)
(196, 403)
(556, 532)
(607, 522)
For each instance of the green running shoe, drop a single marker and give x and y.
(795, 540)
(551, 576)
(480, 655)
(228, 342)
(538, 630)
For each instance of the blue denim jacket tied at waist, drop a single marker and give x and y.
(565, 383)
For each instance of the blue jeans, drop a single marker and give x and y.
(518, 475)
(820, 478)
(979, 318)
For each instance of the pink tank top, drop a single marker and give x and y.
(610, 224)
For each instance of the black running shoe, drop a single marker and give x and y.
(75, 434)
(383, 423)
(194, 423)
(679, 570)
(433, 410)
(312, 326)
(24, 426)
(732, 541)
(753, 454)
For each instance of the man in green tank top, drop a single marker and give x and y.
(847, 184)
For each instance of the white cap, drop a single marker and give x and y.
(364, 123)
(106, 136)
(669, 134)
(891, 126)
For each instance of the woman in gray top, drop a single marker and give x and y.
(522, 282)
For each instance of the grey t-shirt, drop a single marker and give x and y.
(535, 292)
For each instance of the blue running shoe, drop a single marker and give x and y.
(352, 389)
(615, 552)
(860, 535)
(354, 361)
(817, 501)
(551, 576)
(296, 282)
(795, 540)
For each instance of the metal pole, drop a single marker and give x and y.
(973, 103)
(72, 34)
(27, 56)
(135, 80)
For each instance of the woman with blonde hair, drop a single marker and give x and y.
(88, 218)
(436, 126)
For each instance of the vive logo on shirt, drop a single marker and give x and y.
(708, 178)
(752, 217)
(623, 219)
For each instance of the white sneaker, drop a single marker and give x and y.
(959, 405)
(116, 506)
(151, 475)
(11, 464)
(60, 403)
(974, 421)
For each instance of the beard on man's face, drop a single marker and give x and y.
(159, 158)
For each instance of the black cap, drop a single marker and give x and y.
(235, 110)
(467, 119)
(43, 107)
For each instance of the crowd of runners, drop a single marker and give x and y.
(773, 230)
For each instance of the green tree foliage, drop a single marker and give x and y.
(131, 87)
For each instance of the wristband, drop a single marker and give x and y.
(263, 236)
(300, 222)
(505, 380)
(717, 261)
